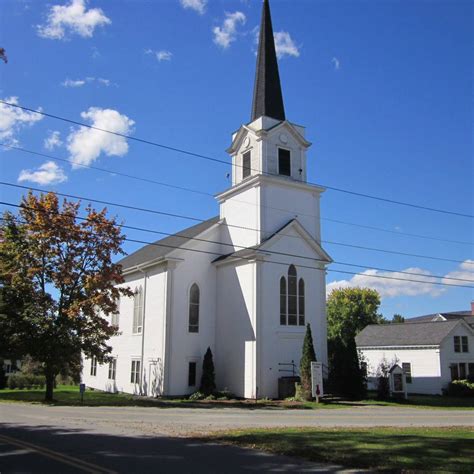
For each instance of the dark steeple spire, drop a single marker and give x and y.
(267, 96)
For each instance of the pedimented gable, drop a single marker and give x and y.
(294, 240)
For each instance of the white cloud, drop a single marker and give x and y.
(72, 18)
(226, 34)
(13, 119)
(284, 45)
(53, 140)
(162, 55)
(337, 64)
(87, 80)
(85, 145)
(389, 287)
(73, 83)
(47, 173)
(465, 272)
(196, 5)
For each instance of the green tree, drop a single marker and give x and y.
(59, 274)
(349, 310)
(308, 356)
(398, 318)
(208, 382)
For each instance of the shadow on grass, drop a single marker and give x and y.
(392, 449)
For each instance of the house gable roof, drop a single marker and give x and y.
(403, 334)
(163, 247)
(265, 244)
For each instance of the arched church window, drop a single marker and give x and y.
(301, 302)
(283, 301)
(284, 162)
(246, 165)
(138, 311)
(194, 308)
(292, 296)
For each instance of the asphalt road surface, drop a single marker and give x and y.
(48, 439)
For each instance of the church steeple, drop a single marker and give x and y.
(267, 95)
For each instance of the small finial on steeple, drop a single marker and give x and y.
(267, 95)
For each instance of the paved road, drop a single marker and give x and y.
(35, 438)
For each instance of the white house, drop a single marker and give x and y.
(244, 283)
(431, 353)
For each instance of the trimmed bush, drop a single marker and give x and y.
(21, 381)
(460, 388)
(196, 396)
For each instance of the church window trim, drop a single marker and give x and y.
(194, 308)
(246, 164)
(137, 326)
(284, 161)
(292, 299)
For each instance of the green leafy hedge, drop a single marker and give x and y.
(22, 381)
(460, 388)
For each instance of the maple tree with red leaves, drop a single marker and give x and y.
(59, 282)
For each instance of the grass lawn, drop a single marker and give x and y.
(69, 395)
(393, 449)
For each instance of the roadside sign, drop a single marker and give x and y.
(82, 387)
(317, 379)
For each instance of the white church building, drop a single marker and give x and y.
(244, 283)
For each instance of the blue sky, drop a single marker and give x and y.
(383, 87)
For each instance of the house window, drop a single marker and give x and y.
(94, 366)
(470, 368)
(112, 369)
(301, 302)
(454, 371)
(138, 311)
(406, 367)
(246, 165)
(461, 344)
(135, 372)
(192, 374)
(292, 299)
(283, 301)
(116, 316)
(284, 162)
(194, 308)
(462, 371)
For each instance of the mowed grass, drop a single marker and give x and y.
(390, 449)
(68, 395)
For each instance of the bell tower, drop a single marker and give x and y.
(268, 159)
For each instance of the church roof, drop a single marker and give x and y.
(163, 247)
(402, 334)
(249, 251)
(267, 95)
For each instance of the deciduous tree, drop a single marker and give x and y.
(349, 310)
(58, 269)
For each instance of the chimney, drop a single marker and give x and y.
(472, 308)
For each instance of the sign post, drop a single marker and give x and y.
(82, 389)
(317, 380)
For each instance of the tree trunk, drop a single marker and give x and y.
(49, 386)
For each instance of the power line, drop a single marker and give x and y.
(385, 277)
(216, 160)
(141, 229)
(204, 193)
(195, 219)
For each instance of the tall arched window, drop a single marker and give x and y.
(194, 308)
(301, 302)
(283, 301)
(292, 296)
(292, 299)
